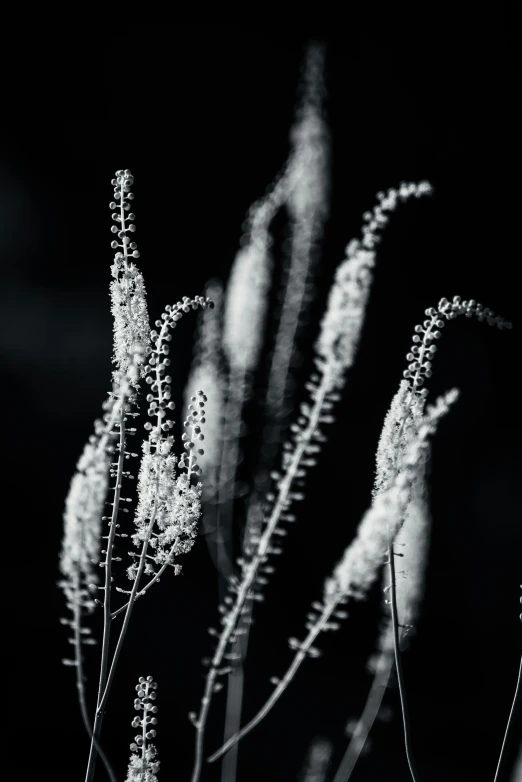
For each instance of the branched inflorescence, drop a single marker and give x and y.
(143, 766)
(84, 506)
(336, 348)
(402, 456)
(168, 499)
(127, 290)
(360, 564)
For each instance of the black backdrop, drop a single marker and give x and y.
(201, 114)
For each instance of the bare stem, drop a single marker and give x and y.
(509, 723)
(367, 718)
(398, 664)
(79, 684)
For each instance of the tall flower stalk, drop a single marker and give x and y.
(306, 202)
(167, 498)
(379, 527)
(336, 347)
(361, 562)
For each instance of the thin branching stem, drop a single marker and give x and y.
(153, 580)
(98, 718)
(287, 678)
(79, 683)
(244, 590)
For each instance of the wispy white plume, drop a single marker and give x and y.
(249, 284)
(343, 320)
(127, 290)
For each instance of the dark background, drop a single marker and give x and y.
(201, 115)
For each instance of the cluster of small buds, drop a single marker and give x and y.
(423, 349)
(160, 385)
(377, 218)
(144, 767)
(194, 419)
(122, 194)
(146, 694)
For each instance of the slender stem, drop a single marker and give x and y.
(130, 604)
(367, 718)
(398, 664)
(155, 578)
(98, 718)
(79, 683)
(284, 682)
(509, 723)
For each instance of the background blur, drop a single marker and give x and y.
(201, 116)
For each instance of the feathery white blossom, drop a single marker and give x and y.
(361, 562)
(83, 512)
(167, 501)
(127, 290)
(249, 284)
(129, 310)
(400, 422)
(86, 497)
(343, 320)
(308, 180)
(302, 185)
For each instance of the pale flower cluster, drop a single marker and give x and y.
(358, 569)
(343, 320)
(129, 311)
(169, 502)
(82, 518)
(247, 292)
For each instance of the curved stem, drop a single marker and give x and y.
(285, 681)
(509, 722)
(367, 718)
(155, 578)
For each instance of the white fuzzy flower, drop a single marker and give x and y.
(169, 503)
(82, 517)
(129, 310)
(343, 320)
(308, 179)
(357, 570)
(400, 424)
(246, 301)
